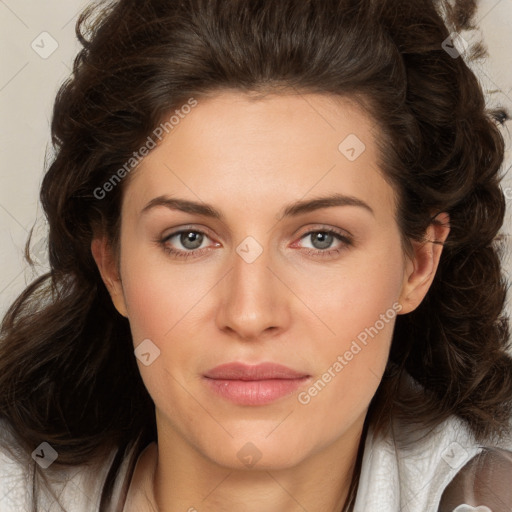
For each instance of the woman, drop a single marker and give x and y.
(274, 279)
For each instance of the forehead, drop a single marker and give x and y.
(259, 151)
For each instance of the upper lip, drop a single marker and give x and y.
(263, 371)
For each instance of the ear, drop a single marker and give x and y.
(422, 266)
(104, 258)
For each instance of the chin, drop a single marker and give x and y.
(255, 453)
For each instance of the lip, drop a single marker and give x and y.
(254, 384)
(246, 372)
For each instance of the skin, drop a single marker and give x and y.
(249, 158)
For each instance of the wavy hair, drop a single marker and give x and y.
(68, 373)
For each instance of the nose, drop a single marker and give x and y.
(254, 302)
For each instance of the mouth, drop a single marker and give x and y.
(259, 384)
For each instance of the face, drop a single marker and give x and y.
(267, 279)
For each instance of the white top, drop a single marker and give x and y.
(78, 488)
(394, 477)
(413, 478)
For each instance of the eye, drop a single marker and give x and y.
(322, 241)
(190, 239)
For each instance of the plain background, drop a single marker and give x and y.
(38, 44)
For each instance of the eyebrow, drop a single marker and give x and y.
(291, 210)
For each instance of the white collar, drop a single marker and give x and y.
(408, 473)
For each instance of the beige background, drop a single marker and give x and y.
(37, 47)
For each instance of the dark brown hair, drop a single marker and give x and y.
(68, 374)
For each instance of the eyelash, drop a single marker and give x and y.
(196, 253)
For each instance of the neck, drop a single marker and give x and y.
(186, 480)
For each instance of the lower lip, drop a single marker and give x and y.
(254, 392)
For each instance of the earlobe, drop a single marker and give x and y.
(104, 259)
(421, 268)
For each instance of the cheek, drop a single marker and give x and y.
(158, 294)
(353, 296)
(160, 302)
(360, 310)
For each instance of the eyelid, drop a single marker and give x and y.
(195, 228)
(343, 233)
